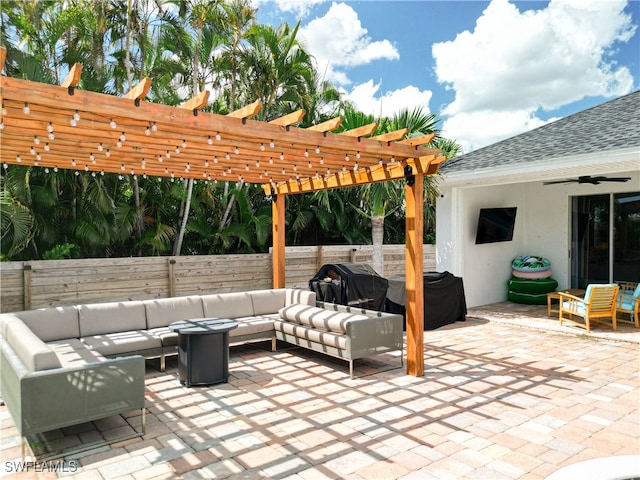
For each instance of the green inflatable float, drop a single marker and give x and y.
(531, 280)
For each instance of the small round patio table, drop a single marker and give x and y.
(203, 350)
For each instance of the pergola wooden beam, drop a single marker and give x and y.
(363, 131)
(362, 176)
(3, 57)
(197, 102)
(73, 77)
(290, 119)
(391, 136)
(140, 91)
(326, 126)
(422, 140)
(247, 111)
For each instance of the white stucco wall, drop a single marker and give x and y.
(541, 228)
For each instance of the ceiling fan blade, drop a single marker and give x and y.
(616, 179)
(560, 181)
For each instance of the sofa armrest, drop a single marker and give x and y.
(45, 400)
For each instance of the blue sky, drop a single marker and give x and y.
(489, 69)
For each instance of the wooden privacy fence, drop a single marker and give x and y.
(47, 283)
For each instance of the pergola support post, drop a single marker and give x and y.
(278, 229)
(414, 229)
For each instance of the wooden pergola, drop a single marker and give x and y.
(63, 127)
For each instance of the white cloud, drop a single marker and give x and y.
(366, 99)
(518, 62)
(339, 40)
(477, 129)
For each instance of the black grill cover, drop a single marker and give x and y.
(354, 284)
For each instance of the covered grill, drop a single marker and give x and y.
(354, 284)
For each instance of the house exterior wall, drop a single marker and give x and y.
(541, 228)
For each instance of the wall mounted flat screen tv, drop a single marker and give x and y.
(496, 225)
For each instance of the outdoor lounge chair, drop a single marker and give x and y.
(629, 302)
(598, 305)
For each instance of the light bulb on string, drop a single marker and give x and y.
(36, 140)
(76, 116)
(112, 123)
(26, 110)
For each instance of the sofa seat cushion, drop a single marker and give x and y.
(322, 337)
(72, 352)
(34, 353)
(251, 326)
(122, 342)
(163, 311)
(167, 337)
(56, 323)
(319, 318)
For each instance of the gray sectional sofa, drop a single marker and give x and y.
(67, 365)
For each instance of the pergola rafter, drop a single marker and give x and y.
(63, 127)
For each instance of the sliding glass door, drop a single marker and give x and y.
(605, 239)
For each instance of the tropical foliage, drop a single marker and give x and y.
(185, 46)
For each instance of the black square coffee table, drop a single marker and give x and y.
(203, 350)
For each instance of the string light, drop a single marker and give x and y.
(215, 159)
(168, 154)
(112, 123)
(32, 150)
(36, 140)
(177, 149)
(107, 153)
(46, 147)
(218, 136)
(262, 147)
(51, 136)
(50, 128)
(210, 140)
(18, 158)
(154, 127)
(306, 153)
(4, 110)
(100, 147)
(147, 131)
(317, 149)
(271, 144)
(358, 154)
(227, 156)
(236, 151)
(92, 157)
(26, 110)
(122, 137)
(184, 144)
(282, 156)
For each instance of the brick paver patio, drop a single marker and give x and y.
(505, 395)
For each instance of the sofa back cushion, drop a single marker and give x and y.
(34, 353)
(49, 324)
(296, 296)
(319, 318)
(111, 317)
(267, 301)
(227, 305)
(163, 311)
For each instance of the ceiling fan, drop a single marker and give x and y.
(590, 179)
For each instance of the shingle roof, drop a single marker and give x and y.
(612, 125)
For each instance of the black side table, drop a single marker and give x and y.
(203, 350)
